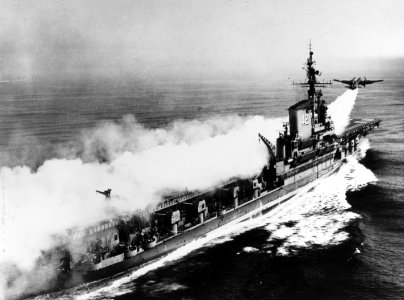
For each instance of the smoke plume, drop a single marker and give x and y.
(139, 165)
(340, 110)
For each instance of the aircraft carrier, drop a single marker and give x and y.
(306, 149)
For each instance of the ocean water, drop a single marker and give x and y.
(341, 239)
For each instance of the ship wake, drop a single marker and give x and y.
(317, 219)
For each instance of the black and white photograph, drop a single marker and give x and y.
(190, 149)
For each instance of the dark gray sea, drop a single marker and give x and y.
(349, 244)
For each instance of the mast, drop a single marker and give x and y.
(311, 82)
(311, 73)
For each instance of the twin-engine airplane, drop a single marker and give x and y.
(355, 83)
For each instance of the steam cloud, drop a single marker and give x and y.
(340, 110)
(141, 165)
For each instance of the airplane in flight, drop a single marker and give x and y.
(106, 193)
(355, 83)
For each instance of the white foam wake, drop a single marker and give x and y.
(364, 146)
(318, 217)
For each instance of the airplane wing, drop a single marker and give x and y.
(344, 81)
(370, 81)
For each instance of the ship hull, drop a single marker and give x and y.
(266, 202)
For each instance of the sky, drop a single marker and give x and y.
(184, 38)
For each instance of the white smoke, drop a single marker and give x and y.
(340, 109)
(143, 164)
(109, 140)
